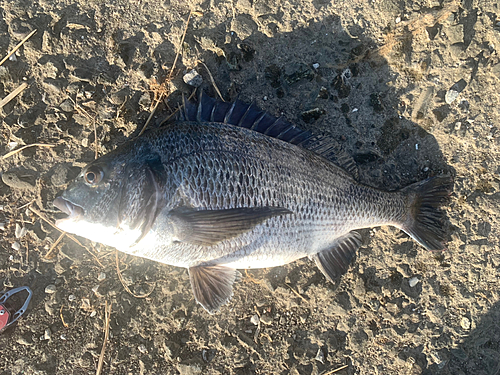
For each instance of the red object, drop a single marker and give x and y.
(4, 317)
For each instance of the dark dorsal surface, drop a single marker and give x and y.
(251, 117)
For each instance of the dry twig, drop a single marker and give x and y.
(62, 318)
(162, 87)
(336, 370)
(18, 46)
(125, 286)
(51, 253)
(107, 313)
(25, 147)
(13, 94)
(213, 81)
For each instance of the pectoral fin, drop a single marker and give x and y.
(208, 227)
(212, 285)
(335, 261)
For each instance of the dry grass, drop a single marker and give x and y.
(160, 90)
(118, 270)
(17, 47)
(107, 313)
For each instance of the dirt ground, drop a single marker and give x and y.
(409, 87)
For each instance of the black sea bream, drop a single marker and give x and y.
(227, 187)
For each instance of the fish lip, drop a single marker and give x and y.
(72, 210)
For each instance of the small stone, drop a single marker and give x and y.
(20, 231)
(266, 319)
(16, 246)
(188, 369)
(101, 277)
(458, 125)
(450, 96)
(63, 337)
(67, 106)
(93, 313)
(142, 349)
(398, 20)
(413, 281)
(47, 334)
(320, 356)
(315, 66)
(71, 297)
(2, 226)
(465, 323)
(22, 341)
(193, 78)
(50, 289)
(255, 319)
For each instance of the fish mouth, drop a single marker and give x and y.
(73, 211)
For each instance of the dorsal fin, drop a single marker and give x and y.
(251, 117)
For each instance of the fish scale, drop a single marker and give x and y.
(218, 196)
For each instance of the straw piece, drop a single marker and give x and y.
(25, 147)
(13, 94)
(18, 46)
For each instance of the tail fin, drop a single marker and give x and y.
(425, 221)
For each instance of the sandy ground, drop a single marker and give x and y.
(410, 88)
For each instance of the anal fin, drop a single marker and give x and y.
(335, 262)
(212, 285)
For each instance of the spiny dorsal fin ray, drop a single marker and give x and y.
(251, 117)
(334, 262)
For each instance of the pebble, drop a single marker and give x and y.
(255, 319)
(16, 246)
(315, 65)
(2, 226)
(46, 335)
(266, 319)
(67, 106)
(193, 78)
(465, 323)
(12, 180)
(101, 277)
(413, 281)
(450, 96)
(320, 356)
(50, 289)
(142, 349)
(71, 297)
(20, 231)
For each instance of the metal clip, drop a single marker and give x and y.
(5, 316)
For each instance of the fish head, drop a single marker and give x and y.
(94, 201)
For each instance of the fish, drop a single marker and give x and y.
(227, 186)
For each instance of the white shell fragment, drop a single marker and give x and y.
(193, 78)
(413, 281)
(255, 320)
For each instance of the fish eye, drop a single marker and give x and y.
(93, 175)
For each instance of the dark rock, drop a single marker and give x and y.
(297, 71)
(366, 157)
(273, 75)
(248, 52)
(442, 112)
(312, 115)
(341, 85)
(376, 103)
(391, 135)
